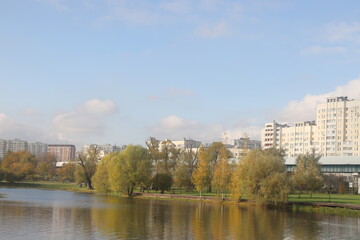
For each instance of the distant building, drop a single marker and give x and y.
(62, 152)
(247, 143)
(336, 131)
(242, 146)
(103, 149)
(17, 145)
(187, 143)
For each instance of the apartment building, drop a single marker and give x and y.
(335, 132)
(62, 152)
(17, 145)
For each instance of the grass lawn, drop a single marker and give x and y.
(323, 197)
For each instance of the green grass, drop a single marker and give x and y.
(46, 185)
(192, 193)
(327, 210)
(322, 197)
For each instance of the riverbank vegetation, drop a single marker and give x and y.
(260, 175)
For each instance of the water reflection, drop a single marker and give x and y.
(36, 214)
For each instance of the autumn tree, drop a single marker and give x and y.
(212, 156)
(128, 169)
(222, 173)
(17, 166)
(201, 177)
(88, 163)
(67, 172)
(307, 175)
(46, 166)
(261, 176)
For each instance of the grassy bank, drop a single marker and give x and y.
(326, 210)
(322, 197)
(46, 185)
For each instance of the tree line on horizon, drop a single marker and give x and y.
(259, 175)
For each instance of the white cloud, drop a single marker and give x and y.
(29, 112)
(174, 127)
(10, 129)
(218, 30)
(305, 109)
(320, 50)
(340, 32)
(97, 106)
(89, 119)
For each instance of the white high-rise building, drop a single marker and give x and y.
(335, 132)
(17, 145)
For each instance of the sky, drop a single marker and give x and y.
(120, 71)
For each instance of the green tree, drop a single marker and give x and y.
(128, 169)
(261, 176)
(162, 182)
(185, 167)
(169, 156)
(101, 177)
(17, 166)
(201, 177)
(88, 163)
(307, 175)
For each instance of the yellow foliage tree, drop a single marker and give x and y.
(202, 174)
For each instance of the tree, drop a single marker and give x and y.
(169, 155)
(101, 177)
(261, 176)
(222, 173)
(213, 157)
(185, 167)
(307, 175)
(67, 172)
(88, 163)
(46, 166)
(162, 181)
(202, 174)
(16, 166)
(128, 169)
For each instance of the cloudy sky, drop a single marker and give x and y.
(119, 71)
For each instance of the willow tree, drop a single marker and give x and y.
(261, 176)
(87, 165)
(129, 169)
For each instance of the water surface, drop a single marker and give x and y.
(45, 214)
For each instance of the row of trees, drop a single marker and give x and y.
(259, 175)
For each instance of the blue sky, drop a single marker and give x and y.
(119, 71)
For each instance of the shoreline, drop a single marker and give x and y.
(323, 207)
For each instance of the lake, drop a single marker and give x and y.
(45, 214)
